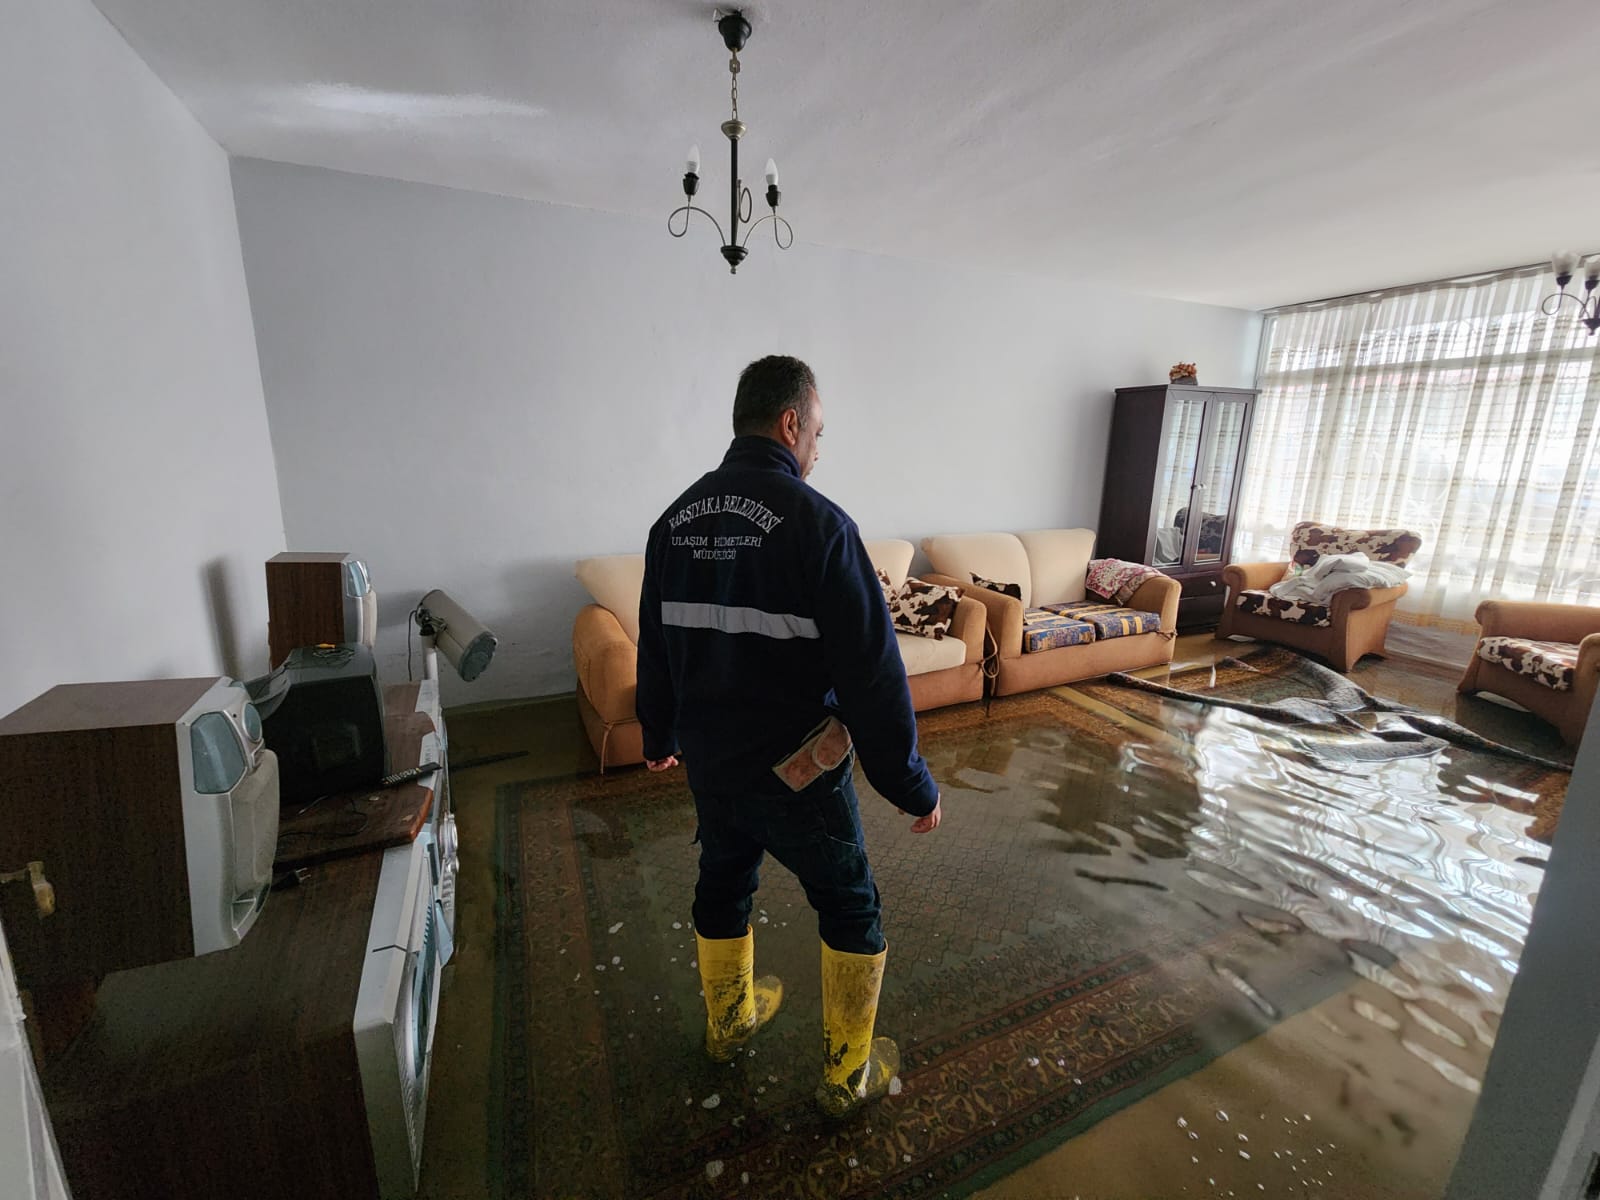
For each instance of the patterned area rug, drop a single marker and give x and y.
(1276, 676)
(1055, 953)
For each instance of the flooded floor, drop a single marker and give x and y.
(1324, 943)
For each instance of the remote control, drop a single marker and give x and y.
(409, 774)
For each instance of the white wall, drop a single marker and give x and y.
(138, 498)
(471, 391)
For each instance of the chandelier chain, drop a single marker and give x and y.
(733, 80)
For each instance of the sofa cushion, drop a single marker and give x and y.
(925, 609)
(1309, 541)
(886, 587)
(992, 555)
(1058, 563)
(892, 556)
(1301, 612)
(1551, 663)
(1109, 620)
(1116, 578)
(1014, 590)
(1044, 630)
(923, 654)
(615, 581)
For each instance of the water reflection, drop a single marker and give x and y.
(1414, 867)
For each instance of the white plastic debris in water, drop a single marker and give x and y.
(895, 1086)
(1221, 1116)
(713, 1168)
(1183, 1123)
(1245, 1154)
(761, 921)
(711, 1101)
(677, 924)
(1243, 1138)
(853, 1161)
(599, 966)
(615, 959)
(744, 1176)
(1033, 1062)
(616, 927)
(772, 1079)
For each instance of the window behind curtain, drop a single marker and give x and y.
(1455, 409)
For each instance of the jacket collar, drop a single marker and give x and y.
(753, 450)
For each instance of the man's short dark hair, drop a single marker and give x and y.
(768, 388)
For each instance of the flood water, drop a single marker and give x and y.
(1154, 950)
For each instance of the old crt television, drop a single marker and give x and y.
(153, 806)
(322, 714)
(316, 598)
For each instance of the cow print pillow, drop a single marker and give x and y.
(888, 588)
(1014, 590)
(925, 609)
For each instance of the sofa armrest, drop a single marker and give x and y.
(607, 663)
(1539, 622)
(968, 624)
(1004, 614)
(1252, 577)
(1158, 595)
(1351, 599)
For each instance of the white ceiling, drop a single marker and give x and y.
(1240, 152)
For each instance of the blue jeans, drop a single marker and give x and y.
(816, 833)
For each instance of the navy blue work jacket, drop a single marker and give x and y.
(760, 616)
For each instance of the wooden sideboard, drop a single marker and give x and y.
(235, 1074)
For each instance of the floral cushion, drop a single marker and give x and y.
(1108, 620)
(1550, 663)
(1117, 579)
(1014, 590)
(925, 609)
(1045, 630)
(1301, 612)
(1309, 541)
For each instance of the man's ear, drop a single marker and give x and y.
(789, 426)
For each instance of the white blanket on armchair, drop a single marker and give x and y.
(1334, 573)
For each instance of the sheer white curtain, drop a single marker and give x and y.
(1456, 409)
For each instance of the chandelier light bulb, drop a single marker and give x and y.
(1591, 268)
(692, 164)
(1563, 262)
(772, 178)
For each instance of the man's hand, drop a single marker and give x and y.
(666, 764)
(928, 823)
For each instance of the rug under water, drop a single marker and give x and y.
(1106, 908)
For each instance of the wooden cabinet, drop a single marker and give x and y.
(1174, 470)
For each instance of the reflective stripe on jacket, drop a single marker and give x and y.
(760, 615)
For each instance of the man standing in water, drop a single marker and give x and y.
(767, 657)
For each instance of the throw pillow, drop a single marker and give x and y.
(1014, 590)
(925, 609)
(888, 588)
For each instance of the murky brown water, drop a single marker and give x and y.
(1334, 938)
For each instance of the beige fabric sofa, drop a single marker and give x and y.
(605, 650)
(1049, 565)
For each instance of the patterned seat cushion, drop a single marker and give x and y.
(1550, 663)
(1045, 630)
(1109, 620)
(1301, 612)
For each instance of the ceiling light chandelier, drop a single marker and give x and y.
(1565, 262)
(735, 32)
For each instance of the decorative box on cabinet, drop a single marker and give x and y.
(1175, 451)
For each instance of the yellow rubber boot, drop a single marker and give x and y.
(856, 1067)
(737, 1004)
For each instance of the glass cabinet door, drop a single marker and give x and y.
(1215, 483)
(1176, 473)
